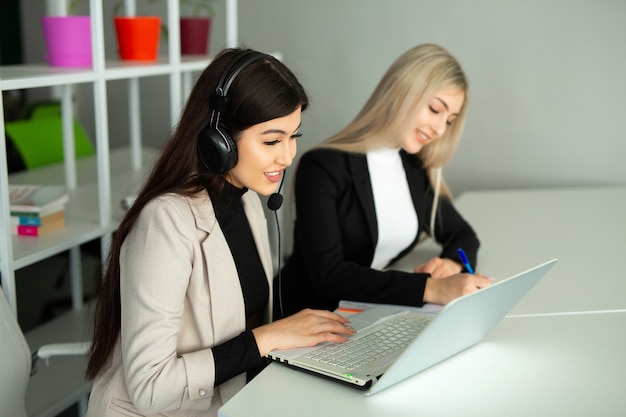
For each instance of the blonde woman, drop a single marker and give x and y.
(365, 196)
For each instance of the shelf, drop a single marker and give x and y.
(86, 173)
(82, 220)
(194, 62)
(89, 217)
(35, 249)
(18, 77)
(96, 189)
(124, 69)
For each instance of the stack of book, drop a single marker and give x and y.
(37, 210)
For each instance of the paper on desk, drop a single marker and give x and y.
(347, 308)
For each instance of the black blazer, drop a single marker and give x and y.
(336, 231)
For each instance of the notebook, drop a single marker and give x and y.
(430, 339)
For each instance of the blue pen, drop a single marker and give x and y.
(469, 268)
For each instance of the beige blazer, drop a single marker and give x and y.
(180, 296)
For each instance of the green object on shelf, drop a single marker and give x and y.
(39, 140)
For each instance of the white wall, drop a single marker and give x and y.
(547, 77)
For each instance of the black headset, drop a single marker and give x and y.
(217, 150)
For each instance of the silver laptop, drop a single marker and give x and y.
(393, 343)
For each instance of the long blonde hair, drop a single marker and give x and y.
(407, 86)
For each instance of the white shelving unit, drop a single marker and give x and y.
(91, 213)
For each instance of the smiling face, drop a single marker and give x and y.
(264, 151)
(431, 121)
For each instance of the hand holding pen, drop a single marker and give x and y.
(468, 266)
(465, 261)
(442, 290)
(439, 267)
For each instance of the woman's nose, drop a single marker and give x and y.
(286, 153)
(439, 127)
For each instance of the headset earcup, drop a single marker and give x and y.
(217, 150)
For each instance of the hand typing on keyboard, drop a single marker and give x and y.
(378, 344)
(303, 329)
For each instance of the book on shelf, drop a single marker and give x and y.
(41, 200)
(33, 219)
(47, 224)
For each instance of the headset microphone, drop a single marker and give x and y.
(275, 201)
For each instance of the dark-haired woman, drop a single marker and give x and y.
(183, 309)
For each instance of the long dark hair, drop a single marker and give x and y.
(264, 90)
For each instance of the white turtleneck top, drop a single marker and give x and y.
(395, 213)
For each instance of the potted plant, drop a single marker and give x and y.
(195, 26)
(137, 36)
(68, 38)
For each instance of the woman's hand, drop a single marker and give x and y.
(444, 290)
(439, 267)
(303, 329)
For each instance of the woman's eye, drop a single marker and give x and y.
(278, 140)
(451, 122)
(432, 109)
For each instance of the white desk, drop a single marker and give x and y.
(585, 228)
(544, 365)
(532, 366)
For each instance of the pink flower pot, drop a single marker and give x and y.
(68, 40)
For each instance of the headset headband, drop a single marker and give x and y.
(219, 98)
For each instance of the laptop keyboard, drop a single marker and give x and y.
(375, 347)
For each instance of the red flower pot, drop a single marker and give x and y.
(194, 35)
(138, 37)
